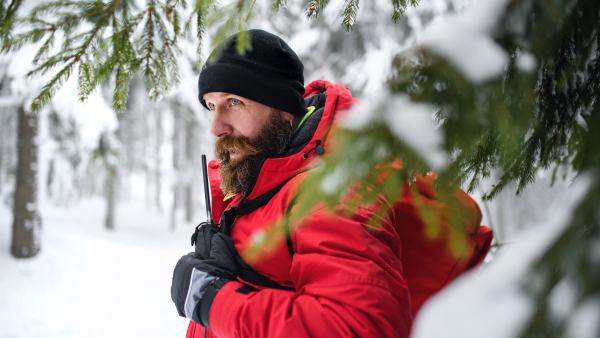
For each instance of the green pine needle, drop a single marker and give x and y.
(350, 12)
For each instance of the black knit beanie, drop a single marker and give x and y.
(270, 73)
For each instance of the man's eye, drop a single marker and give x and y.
(212, 106)
(235, 102)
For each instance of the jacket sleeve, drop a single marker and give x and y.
(348, 279)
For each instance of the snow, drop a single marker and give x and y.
(414, 124)
(303, 42)
(18, 64)
(465, 41)
(371, 72)
(510, 215)
(411, 122)
(93, 116)
(585, 322)
(492, 303)
(562, 299)
(527, 62)
(90, 282)
(581, 121)
(333, 182)
(362, 114)
(8, 101)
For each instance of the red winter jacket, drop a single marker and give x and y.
(348, 278)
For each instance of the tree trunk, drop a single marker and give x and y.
(189, 168)
(110, 192)
(176, 163)
(189, 203)
(173, 221)
(2, 133)
(50, 178)
(26, 219)
(158, 164)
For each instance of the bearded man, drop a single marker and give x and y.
(332, 277)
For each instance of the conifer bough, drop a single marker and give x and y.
(113, 40)
(540, 115)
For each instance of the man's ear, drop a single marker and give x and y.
(287, 117)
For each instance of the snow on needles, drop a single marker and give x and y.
(493, 303)
(412, 123)
(465, 41)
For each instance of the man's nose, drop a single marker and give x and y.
(220, 124)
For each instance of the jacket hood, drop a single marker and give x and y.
(331, 101)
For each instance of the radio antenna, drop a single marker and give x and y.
(209, 219)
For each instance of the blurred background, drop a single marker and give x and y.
(118, 195)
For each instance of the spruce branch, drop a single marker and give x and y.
(315, 7)
(43, 51)
(70, 56)
(84, 80)
(158, 63)
(98, 56)
(52, 86)
(153, 58)
(515, 124)
(234, 23)
(67, 6)
(202, 9)
(350, 12)
(120, 53)
(8, 17)
(277, 5)
(26, 38)
(400, 6)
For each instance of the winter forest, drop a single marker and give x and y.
(100, 172)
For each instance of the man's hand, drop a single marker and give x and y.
(197, 281)
(202, 238)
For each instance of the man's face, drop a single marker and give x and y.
(246, 132)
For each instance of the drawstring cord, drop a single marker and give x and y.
(318, 149)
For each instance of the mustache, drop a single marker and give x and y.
(241, 144)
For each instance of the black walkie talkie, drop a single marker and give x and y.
(209, 220)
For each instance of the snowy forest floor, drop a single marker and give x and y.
(91, 282)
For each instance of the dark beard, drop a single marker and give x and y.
(270, 141)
